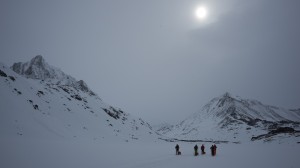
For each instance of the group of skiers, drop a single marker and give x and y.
(213, 150)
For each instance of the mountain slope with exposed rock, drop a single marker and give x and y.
(228, 118)
(40, 101)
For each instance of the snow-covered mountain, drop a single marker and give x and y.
(40, 101)
(228, 118)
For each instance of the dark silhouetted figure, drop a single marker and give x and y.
(177, 149)
(215, 149)
(212, 150)
(196, 150)
(202, 149)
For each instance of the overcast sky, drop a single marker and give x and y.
(154, 58)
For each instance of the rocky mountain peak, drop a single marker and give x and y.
(225, 98)
(82, 85)
(227, 95)
(38, 61)
(38, 68)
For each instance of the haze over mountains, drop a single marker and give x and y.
(40, 100)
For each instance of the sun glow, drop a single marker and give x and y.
(201, 13)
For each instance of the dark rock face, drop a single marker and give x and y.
(280, 130)
(83, 86)
(77, 97)
(3, 74)
(116, 114)
(12, 78)
(36, 107)
(17, 67)
(40, 93)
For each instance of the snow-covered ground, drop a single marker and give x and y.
(29, 153)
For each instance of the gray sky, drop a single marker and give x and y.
(153, 58)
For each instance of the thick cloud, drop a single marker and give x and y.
(154, 59)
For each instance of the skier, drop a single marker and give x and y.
(215, 149)
(196, 150)
(202, 149)
(212, 150)
(177, 149)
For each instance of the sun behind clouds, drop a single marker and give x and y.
(201, 13)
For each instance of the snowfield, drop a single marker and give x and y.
(29, 153)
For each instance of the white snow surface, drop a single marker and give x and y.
(26, 153)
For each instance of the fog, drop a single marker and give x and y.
(154, 59)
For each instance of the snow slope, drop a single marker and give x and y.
(46, 103)
(229, 118)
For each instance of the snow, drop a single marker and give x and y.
(36, 153)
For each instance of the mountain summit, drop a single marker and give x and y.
(246, 110)
(38, 68)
